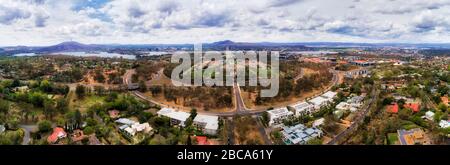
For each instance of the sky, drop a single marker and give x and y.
(47, 22)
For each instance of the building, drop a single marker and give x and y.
(318, 122)
(58, 133)
(412, 137)
(392, 108)
(299, 134)
(21, 89)
(277, 116)
(208, 124)
(303, 108)
(352, 104)
(318, 102)
(362, 63)
(114, 114)
(357, 73)
(176, 117)
(415, 107)
(444, 124)
(202, 140)
(329, 95)
(131, 130)
(125, 121)
(429, 115)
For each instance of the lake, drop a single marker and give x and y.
(85, 54)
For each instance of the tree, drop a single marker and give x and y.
(193, 113)
(49, 108)
(142, 86)
(80, 91)
(44, 126)
(314, 141)
(77, 117)
(61, 105)
(88, 130)
(442, 107)
(4, 106)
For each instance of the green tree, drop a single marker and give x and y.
(142, 86)
(80, 91)
(314, 141)
(88, 130)
(44, 126)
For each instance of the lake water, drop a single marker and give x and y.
(86, 54)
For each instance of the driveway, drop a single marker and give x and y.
(27, 129)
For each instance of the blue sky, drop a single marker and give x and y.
(46, 22)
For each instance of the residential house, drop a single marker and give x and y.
(202, 140)
(300, 134)
(303, 108)
(415, 107)
(131, 130)
(392, 108)
(444, 124)
(125, 121)
(412, 137)
(330, 95)
(318, 102)
(58, 133)
(21, 89)
(176, 117)
(277, 116)
(429, 115)
(208, 124)
(318, 122)
(114, 114)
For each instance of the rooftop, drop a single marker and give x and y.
(318, 101)
(171, 113)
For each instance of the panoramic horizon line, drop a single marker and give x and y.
(237, 42)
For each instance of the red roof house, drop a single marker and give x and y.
(57, 134)
(415, 107)
(202, 140)
(392, 108)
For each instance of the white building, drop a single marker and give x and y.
(352, 104)
(208, 124)
(329, 95)
(303, 108)
(318, 122)
(125, 121)
(429, 115)
(299, 134)
(131, 130)
(176, 117)
(318, 102)
(444, 124)
(277, 116)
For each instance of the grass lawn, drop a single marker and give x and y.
(407, 125)
(85, 103)
(392, 138)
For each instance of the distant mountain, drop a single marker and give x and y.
(68, 46)
(228, 44)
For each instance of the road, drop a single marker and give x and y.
(359, 119)
(27, 129)
(240, 106)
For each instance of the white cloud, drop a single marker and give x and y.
(189, 21)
